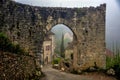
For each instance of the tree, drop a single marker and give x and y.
(62, 47)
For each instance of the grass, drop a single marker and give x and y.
(114, 62)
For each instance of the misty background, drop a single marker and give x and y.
(112, 14)
(62, 30)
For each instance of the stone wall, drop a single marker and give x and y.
(91, 40)
(27, 26)
(22, 24)
(18, 67)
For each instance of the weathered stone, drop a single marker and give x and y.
(111, 72)
(38, 73)
(27, 25)
(17, 66)
(79, 71)
(92, 69)
(56, 66)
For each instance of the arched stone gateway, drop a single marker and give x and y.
(27, 26)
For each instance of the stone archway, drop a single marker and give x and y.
(73, 29)
(27, 25)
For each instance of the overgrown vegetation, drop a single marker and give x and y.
(56, 61)
(114, 61)
(7, 45)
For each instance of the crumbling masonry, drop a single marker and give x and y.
(27, 25)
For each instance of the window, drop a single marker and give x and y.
(48, 47)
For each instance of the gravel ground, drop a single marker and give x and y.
(53, 74)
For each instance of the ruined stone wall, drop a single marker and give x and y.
(27, 26)
(18, 67)
(91, 38)
(22, 24)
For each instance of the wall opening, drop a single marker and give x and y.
(63, 39)
(60, 39)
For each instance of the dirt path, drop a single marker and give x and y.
(53, 74)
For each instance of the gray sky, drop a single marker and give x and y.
(112, 13)
(63, 3)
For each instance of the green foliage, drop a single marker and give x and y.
(4, 42)
(108, 62)
(62, 49)
(7, 46)
(56, 61)
(114, 62)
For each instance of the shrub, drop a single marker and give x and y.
(7, 45)
(114, 62)
(56, 61)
